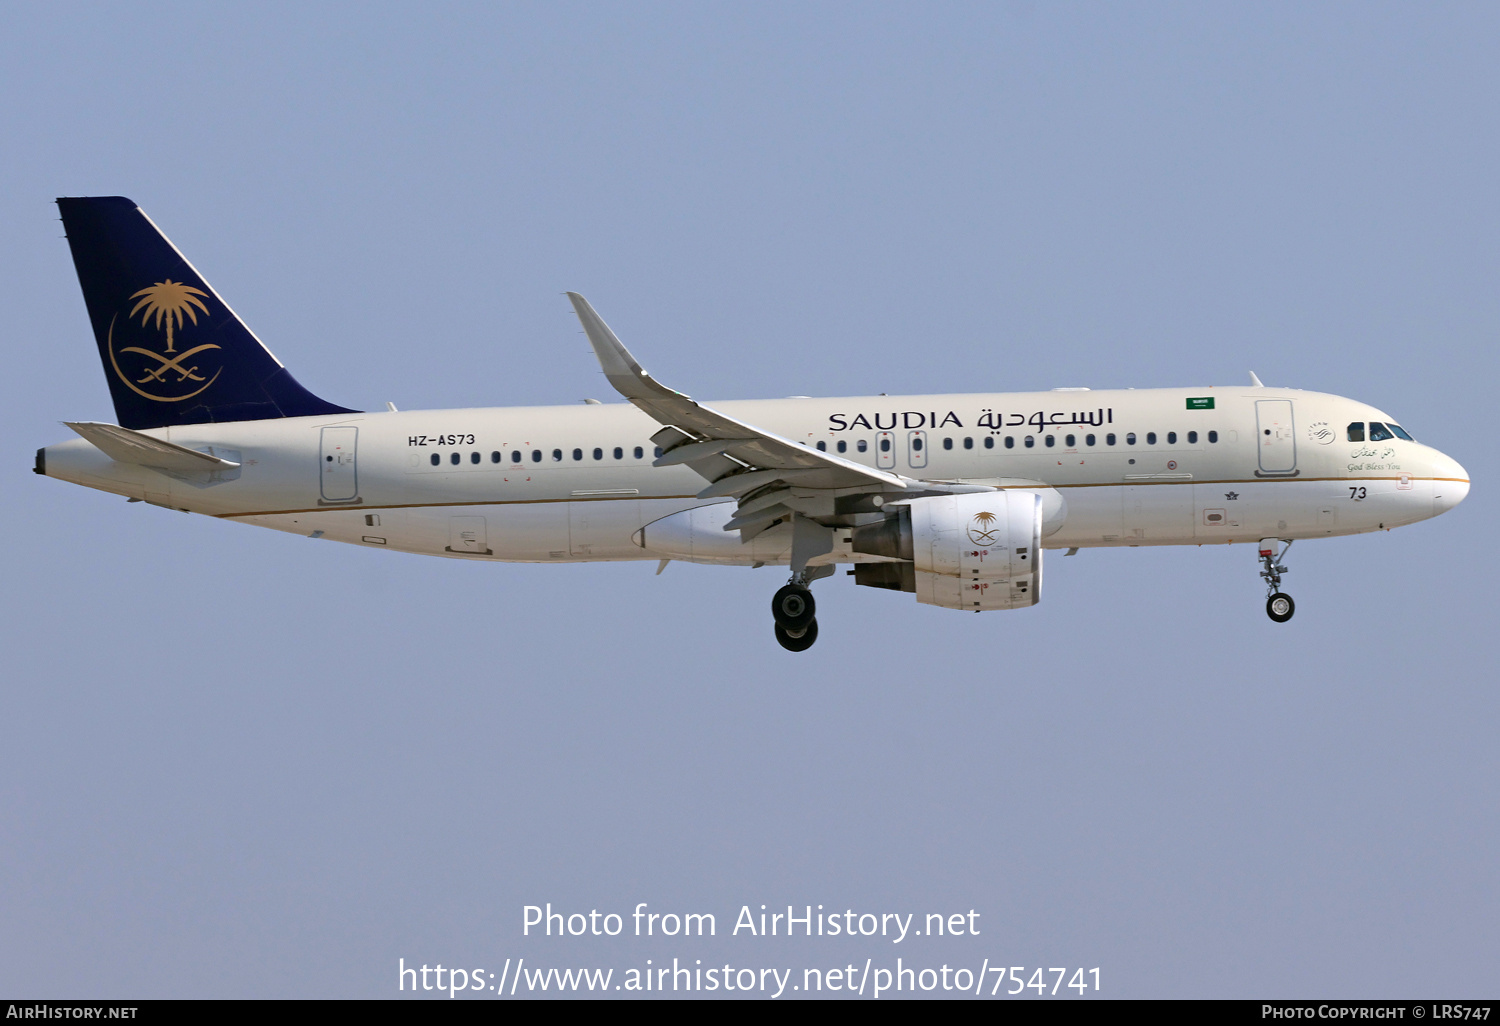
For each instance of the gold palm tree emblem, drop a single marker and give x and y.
(982, 533)
(168, 301)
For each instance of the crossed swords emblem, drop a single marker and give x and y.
(976, 530)
(170, 363)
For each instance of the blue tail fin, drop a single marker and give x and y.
(173, 351)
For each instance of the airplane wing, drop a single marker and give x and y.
(771, 476)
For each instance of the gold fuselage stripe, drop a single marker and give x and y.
(618, 498)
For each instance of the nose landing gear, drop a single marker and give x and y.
(1279, 607)
(794, 611)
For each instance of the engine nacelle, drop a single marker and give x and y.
(980, 550)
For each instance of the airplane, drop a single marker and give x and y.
(953, 498)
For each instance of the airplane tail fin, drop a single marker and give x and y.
(173, 351)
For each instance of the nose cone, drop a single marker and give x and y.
(1449, 486)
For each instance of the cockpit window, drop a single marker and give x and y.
(1400, 432)
(1379, 432)
(1357, 431)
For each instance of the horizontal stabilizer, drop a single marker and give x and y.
(126, 446)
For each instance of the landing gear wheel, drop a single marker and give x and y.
(793, 608)
(798, 640)
(1280, 607)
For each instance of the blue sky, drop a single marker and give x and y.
(246, 764)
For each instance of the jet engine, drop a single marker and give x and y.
(980, 550)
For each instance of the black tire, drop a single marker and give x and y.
(793, 607)
(1280, 607)
(799, 640)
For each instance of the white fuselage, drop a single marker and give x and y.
(1263, 462)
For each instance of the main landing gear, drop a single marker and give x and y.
(793, 608)
(1279, 607)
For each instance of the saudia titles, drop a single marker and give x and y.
(160, 372)
(911, 420)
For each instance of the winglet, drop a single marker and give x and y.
(1254, 381)
(621, 368)
(758, 453)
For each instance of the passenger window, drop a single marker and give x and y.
(916, 445)
(1400, 432)
(1030, 441)
(822, 446)
(1150, 437)
(1192, 438)
(556, 455)
(639, 452)
(536, 455)
(1213, 436)
(862, 445)
(1051, 440)
(947, 443)
(578, 454)
(1130, 438)
(473, 457)
(494, 457)
(436, 459)
(885, 445)
(1378, 433)
(968, 443)
(598, 454)
(454, 459)
(843, 447)
(1088, 440)
(658, 452)
(1171, 437)
(619, 453)
(1071, 441)
(1357, 431)
(515, 455)
(1109, 439)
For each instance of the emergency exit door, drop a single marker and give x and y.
(336, 457)
(916, 449)
(1275, 435)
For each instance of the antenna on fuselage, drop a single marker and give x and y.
(1254, 381)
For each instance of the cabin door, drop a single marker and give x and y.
(1278, 442)
(336, 457)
